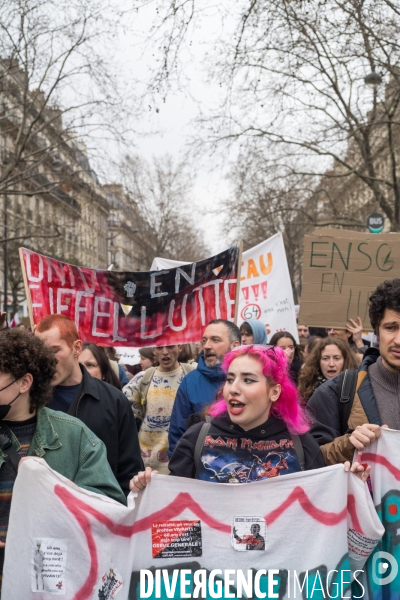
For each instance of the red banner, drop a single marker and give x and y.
(142, 308)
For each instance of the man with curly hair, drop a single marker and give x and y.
(376, 401)
(27, 368)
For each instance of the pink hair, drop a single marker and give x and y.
(275, 369)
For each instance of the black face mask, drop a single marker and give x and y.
(5, 408)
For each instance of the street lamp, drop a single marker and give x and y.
(373, 80)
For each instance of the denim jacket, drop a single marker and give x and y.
(71, 449)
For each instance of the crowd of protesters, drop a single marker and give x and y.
(74, 405)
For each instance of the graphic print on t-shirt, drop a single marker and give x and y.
(241, 460)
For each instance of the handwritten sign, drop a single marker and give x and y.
(265, 287)
(340, 270)
(135, 309)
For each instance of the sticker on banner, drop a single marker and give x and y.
(248, 533)
(49, 561)
(110, 585)
(176, 539)
(359, 544)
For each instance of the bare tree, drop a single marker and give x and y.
(294, 75)
(58, 86)
(163, 209)
(269, 197)
(55, 84)
(267, 200)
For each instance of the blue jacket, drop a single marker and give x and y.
(197, 390)
(123, 377)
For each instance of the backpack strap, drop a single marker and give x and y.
(186, 368)
(148, 377)
(145, 384)
(298, 446)
(201, 438)
(7, 446)
(348, 389)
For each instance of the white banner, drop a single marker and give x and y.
(383, 567)
(64, 541)
(128, 356)
(265, 289)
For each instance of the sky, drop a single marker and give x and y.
(171, 130)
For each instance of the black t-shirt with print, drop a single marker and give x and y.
(232, 455)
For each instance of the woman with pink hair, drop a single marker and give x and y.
(258, 429)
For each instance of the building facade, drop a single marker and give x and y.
(51, 201)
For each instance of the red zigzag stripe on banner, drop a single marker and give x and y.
(182, 502)
(381, 460)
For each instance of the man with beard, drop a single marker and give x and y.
(376, 401)
(199, 387)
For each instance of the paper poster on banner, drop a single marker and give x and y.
(195, 526)
(134, 309)
(49, 562)
(176, 539)
(360, 546)
(110, 586)
(249, 533)
(265, 288)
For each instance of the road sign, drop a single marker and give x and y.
(375, 223)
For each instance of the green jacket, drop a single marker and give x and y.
(71, 449)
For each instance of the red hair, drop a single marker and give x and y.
(66, 327)
(275, 368)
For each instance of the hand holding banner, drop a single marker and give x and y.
(309, 528)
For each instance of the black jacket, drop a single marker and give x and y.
(107, 412)
(232, 455)
(324, 404)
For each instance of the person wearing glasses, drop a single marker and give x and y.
(98, 365)
(258, 430)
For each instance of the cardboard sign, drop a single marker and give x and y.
(135, 309)
(340, 270)
(265, 288)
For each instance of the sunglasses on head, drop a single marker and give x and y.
(256, 346)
